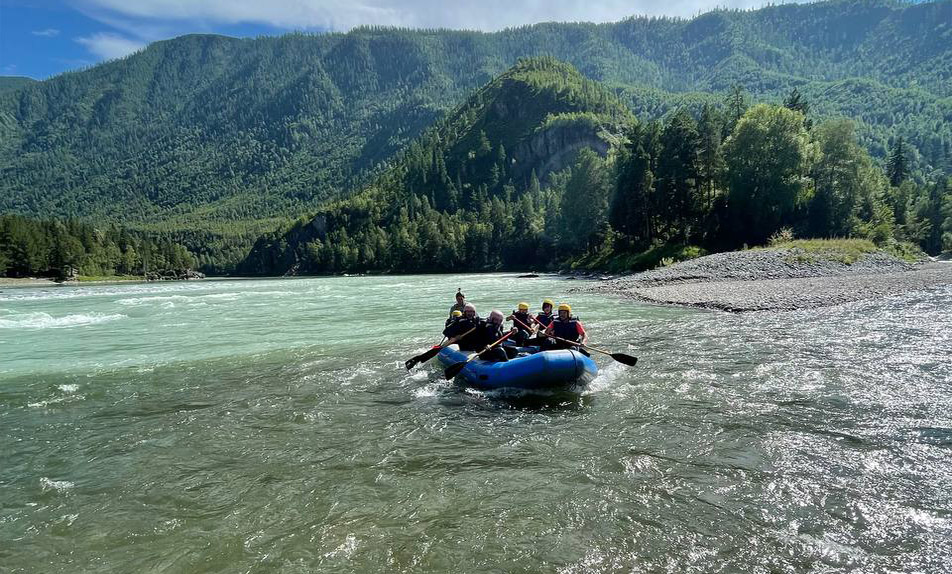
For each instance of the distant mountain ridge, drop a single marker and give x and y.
(445, 202)
(217, 139)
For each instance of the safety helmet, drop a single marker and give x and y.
(523, 306)
(565, 307)
(469, 307)
(457, 313)
(496, 317)
(548, 302)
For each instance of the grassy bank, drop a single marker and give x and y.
(846, 251)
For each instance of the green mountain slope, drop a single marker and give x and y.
(217, 139)
(466, 194)
(11, 83)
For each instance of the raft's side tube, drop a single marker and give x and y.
(542, 370)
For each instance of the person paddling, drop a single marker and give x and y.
(489, 331)
(521, 320)
(462, 324)
(545, 316)
(566, 327)
(454, 316)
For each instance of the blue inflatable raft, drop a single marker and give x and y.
(531, 370)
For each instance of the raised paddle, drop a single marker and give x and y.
(620, 357)
(424, 357)
(455, 368)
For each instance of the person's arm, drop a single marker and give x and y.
(583, 336)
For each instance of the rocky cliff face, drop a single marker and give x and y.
(554, 148)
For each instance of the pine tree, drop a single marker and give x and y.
(795, 101)
(897, 167)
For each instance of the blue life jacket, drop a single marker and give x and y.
(545, 319)
(567, 330)
(525, 318)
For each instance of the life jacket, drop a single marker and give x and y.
(460, 325)
(567, 330)
(485, 334)
(545, 319)
(524, 318)
(490, 332)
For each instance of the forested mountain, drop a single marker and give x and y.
(543, 166)
(467, 194)
(11, 83)
(218, 139)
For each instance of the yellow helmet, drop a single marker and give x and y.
(548, 302)
(457, 313)
(565, 307)
(523, 306)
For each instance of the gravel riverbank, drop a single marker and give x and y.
(777, 279)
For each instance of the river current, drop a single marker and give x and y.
(270, 426)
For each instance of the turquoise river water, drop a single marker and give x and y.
(269, 426)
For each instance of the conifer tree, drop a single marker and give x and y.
(897, 167)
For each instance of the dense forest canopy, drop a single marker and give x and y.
(459, 197)
(63, 249)
(217, 140)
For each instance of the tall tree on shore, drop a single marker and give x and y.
(678, 175)
(764, 186)
(897, 167)
(585, 203)
(711, 157)
(737, 105)
(631, 207)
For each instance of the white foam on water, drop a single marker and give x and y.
(44, 404)
(607, 377)
(41, 320)
(429, 390)
(48, 484)
(67, 519)
(346, 550)
(68, 388)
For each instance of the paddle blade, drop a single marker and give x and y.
(454, 370)
(625, 359)
(424, 357)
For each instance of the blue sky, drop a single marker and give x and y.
(42, 38)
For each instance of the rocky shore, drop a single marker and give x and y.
(777, 279)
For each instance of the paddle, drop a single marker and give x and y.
(620, 357)
(424, 357)
(455, 368)
(412, 362)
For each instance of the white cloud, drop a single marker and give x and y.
(345, 14)
(48, 33)
(110, 46)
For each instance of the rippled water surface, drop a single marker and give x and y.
(235, 426)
